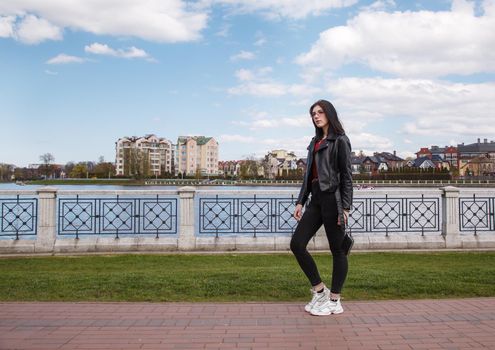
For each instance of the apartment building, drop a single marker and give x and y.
(280, 162)
(196, 154)
(230, 168)
(477, 159)
(149, 155)
(451, 155)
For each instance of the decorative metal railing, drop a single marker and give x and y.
(386, 214)
(476, 214)
(254, 215)
(117, 215)
(19, 216)
(231, 213)
(249, 215)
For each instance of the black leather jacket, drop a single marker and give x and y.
(334, 170)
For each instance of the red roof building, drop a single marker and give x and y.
(451, 155)
(423, 152)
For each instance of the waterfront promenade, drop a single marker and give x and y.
(406, 324)
(52, 220)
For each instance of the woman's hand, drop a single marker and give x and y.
(346, 218)
(298, 212)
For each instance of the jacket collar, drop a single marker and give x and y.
(332, 137)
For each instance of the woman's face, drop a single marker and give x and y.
(319, 117)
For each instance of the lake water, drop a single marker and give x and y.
(13, 186)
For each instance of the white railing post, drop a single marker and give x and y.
(187, 239)
(450, 217)
(47, 219)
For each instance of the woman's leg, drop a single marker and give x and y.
(335, 236)
(310, 222)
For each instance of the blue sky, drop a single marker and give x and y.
(75, 76)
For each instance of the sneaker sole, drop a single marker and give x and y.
(325, 314)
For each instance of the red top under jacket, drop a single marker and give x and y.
(314, 171)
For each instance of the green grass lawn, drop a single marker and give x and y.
(242, 277)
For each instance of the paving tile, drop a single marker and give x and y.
(366, 325)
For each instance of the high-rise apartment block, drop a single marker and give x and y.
(144, 156)
(196, 155)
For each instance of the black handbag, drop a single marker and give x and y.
(347, 242)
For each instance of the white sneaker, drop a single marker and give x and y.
(318, 298)
(309, 305)
(327, 308)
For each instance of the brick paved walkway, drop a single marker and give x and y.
(418, 324)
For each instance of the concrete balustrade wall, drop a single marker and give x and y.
(189, 238)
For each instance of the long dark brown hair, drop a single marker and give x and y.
(333, 119)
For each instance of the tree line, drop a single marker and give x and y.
(47, 169)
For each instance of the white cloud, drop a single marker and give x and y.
(154, 20)
(260, 39)
(434, 108)
(292, 9)
(249, 75)
(6, 26)
(298, 145)
(243, 55)
(100, 49)
(298, 122)
(454, 142)
(369, 142)
(34, 30)
(264, 145)
(261, 121)
(257, 83)
(63, 59)
(266, 122)
(104, 49)
(380, 5)
(260, 42)
(224, 31)
(244, 75)
(410, 44)
(49, 72)
(407, 154)
(236, 138)
(272, 89)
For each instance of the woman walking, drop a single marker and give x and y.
(328, 178)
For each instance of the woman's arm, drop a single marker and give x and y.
(345, 169)
(304, 192)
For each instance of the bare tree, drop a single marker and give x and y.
(104, 169)
(68, 168)
(6, 171)
(249, 167)
(47, 159)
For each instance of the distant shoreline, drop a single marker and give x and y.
(261, 183)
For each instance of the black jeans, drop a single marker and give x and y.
(321, 210)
